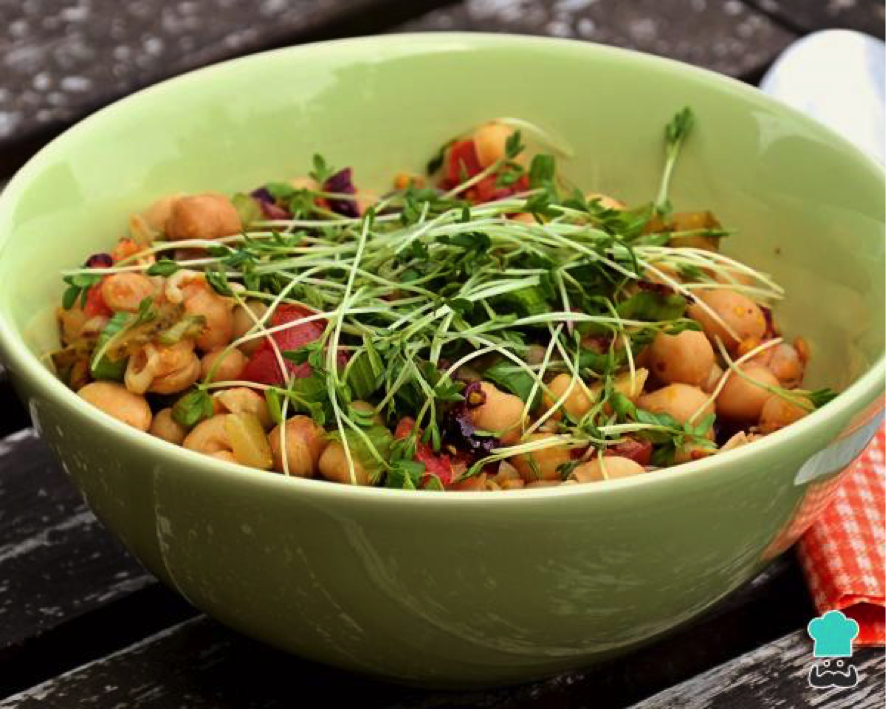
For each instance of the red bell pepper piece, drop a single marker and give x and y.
(263, 366)
(463, 162)
(95, 302)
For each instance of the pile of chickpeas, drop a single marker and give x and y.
(676, 374)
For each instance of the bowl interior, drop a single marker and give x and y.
(808, 208)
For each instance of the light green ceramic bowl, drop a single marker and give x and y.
(458, 587)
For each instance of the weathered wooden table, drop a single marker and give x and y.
(83, 625)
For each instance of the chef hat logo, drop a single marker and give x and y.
(833, 634)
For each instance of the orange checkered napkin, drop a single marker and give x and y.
(842, 553)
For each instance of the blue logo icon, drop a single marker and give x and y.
(833, 634)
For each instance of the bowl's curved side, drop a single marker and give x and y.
(440, 591)
(456, 587)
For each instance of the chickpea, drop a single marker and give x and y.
(735, 309)
(166, 428)
(205, 216)
(787, 365)
(229, 368)
(333, 465)
(679, 400)
(243, 324)
(610, 467)
(688, 221)
(524, 218)
(541, 464)
(242, 400)
(742, 400)
(713, 378)
(605, 201)
(686, 357)
(501, 413)
(305, 442)
(125, 291)
(158, 214)
(577, 404)
(71, 321)
(201, 300)
(630, 387)
(778, 413)
(118, 402)
(490, 143)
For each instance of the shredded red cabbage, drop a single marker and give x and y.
(269, 207)
(341, 183)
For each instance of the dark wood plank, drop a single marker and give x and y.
(201, 664)
(56, 562)
(809, 15)
(61, 59)
(725, 36)
(12, 413)
(776, 676)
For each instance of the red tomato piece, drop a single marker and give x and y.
(95, 302)
(436, 464)
(463, 162)
(639, 451)
(263, 365)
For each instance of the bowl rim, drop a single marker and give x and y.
(858, 395)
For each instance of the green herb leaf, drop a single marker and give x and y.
(163, 267)
(364, 372)
(514, 145)
(193, 408)
(511, 378)
(405, 474)
(436, 162)
(218, 279)
(321, 172)
(651, 306)
(274, 407)
(821, 397)
(191, 326)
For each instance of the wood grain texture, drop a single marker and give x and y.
(56, 561)
(775, 676)
(201, 664)
(724, 35)
(809, 15)
(61, 59)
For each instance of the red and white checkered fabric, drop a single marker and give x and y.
(842, 554)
